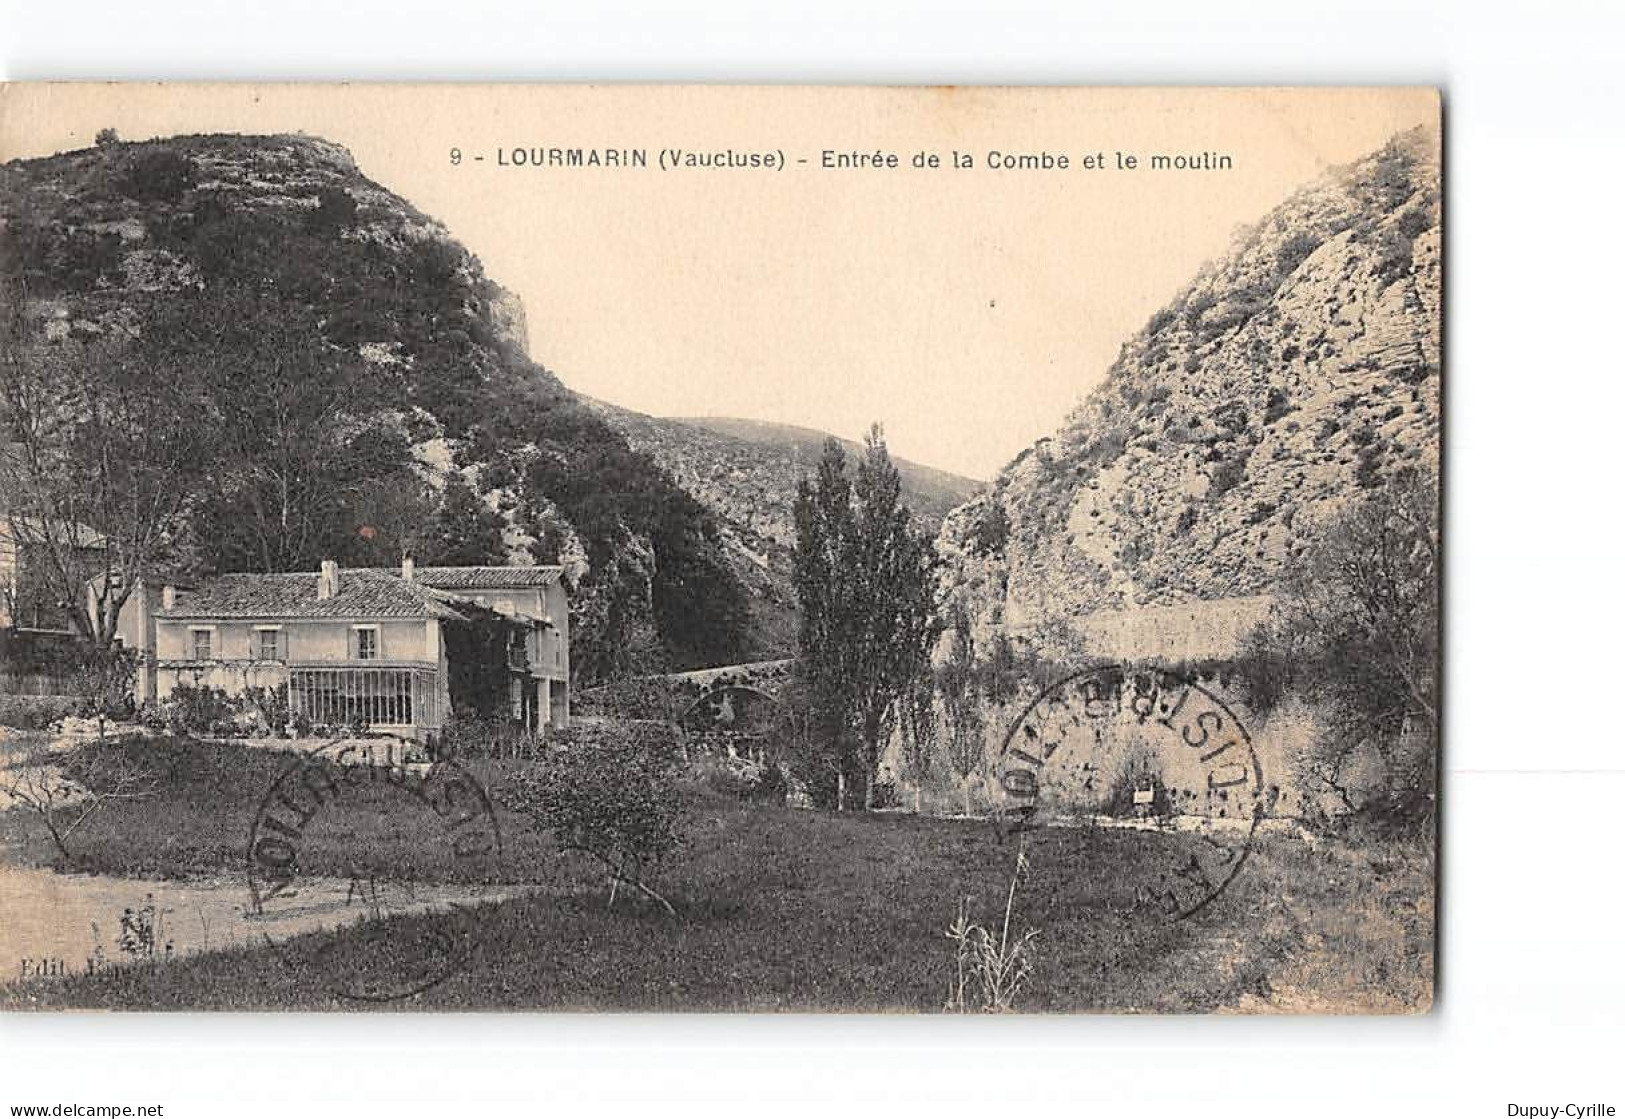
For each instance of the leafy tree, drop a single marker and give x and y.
(824, 525)
(991, 532)
(302, 454)
(612, 796)
(699, 605)
(866, 581)
(959, 685)
(463, 531)
(1357, 627)
(919, 734)
(892, 622)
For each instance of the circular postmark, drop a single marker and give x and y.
(1147, 749)
(375, 829)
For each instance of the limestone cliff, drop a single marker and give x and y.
(1288, 377)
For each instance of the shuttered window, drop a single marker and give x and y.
(268, 644)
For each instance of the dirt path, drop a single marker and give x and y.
(54, 923)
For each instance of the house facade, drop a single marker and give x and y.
(395, 649)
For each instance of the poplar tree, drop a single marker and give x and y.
(866, 580)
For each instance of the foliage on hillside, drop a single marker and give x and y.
(359, 383)
(745, 473)
(1295, 374)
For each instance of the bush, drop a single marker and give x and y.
(886, 795)
(35, 712)
(1294, 251)
(774, 787)
(609, 791)
(105, 678)
(1415, 221)
(1230, 417)
(158, 175)
(1277, 404)
(1226, 476)
(992, 530)
(470, 735)
(1197, 306)
(1392, 178)
(269, 709)
(1108, 448)
(1265, 667)
(1368, 472)
(192, 710)
(334, 211)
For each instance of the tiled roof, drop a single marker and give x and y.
(487, 578)
(363, 593)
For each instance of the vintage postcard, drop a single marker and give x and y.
(689, 548)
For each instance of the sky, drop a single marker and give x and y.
(966, 310)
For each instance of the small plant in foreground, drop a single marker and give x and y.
(998, 966)
(141, 932)
(612, 796)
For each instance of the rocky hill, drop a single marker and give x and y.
(1290, 376)
(349, 384)
(745, 473)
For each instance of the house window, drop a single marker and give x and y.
(269, 647)
(203, 644)
(366, 643)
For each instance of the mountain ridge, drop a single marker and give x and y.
(745, 473)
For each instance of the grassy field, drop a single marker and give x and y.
(789, 910)
(207, 796)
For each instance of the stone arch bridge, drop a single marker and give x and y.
(729, 697)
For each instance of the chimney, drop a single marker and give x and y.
(408, 568)
(169, 596)
(328, 585)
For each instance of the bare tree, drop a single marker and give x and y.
(101, 441)
(97, 456)
(105, 775)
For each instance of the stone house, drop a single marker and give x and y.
(395, 649)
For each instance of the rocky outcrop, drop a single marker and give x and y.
(1294, 374)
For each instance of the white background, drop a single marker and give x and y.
(1532, 988)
